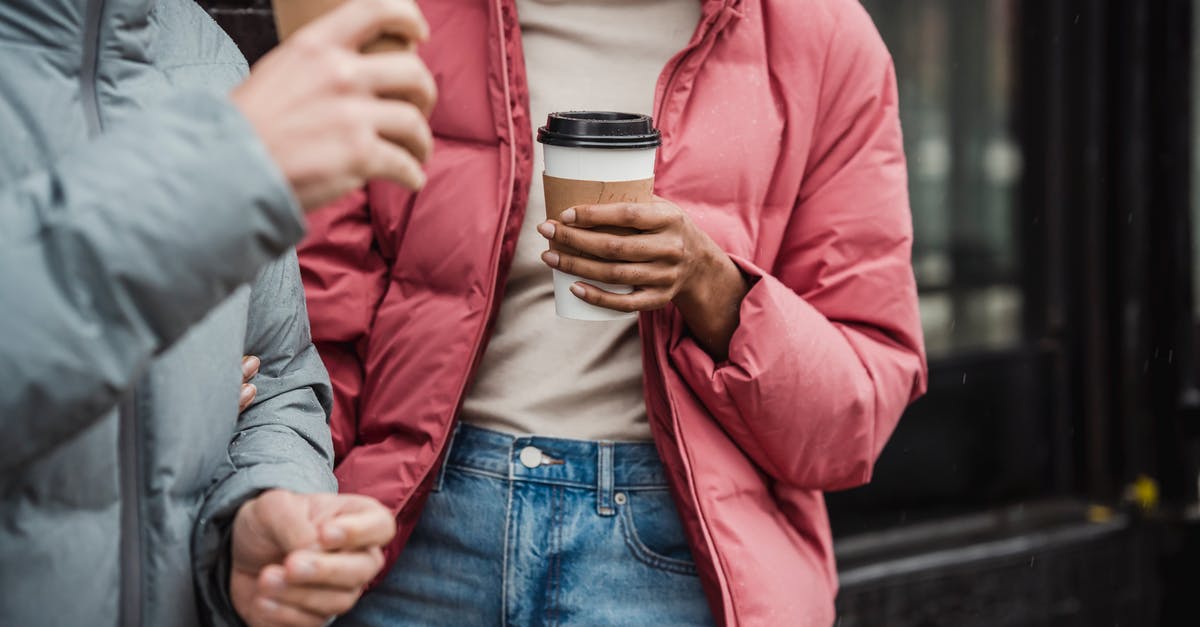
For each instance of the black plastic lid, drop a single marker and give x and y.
(599, 129)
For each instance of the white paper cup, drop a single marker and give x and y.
(616, 150)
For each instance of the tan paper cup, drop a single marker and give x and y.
(595, 157)
(290, 15)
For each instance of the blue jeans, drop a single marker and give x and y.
(542, 531)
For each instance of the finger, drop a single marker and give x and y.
(391, 162)
(400, 75)
(639, 300)
(620, 272)
(359, 22)
(250, 366)
(403, 124)
(318, 601)
(343, 571)
(364, 529)
(276, 614)
(249, 391)
(284, 517)
(635, 247)
(643, 216)
(315, 599)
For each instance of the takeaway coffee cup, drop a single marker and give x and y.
(290, 15)
(595, 157)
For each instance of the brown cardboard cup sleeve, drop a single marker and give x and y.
(562, 194)
(291, 15)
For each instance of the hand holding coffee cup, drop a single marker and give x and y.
(627, 250)
(593, 157)
(662, 256)
(333, 117)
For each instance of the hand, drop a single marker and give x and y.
(250, 367)
(666, 260)
(333, 117)
(301, 559)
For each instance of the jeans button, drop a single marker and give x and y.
(531, 457)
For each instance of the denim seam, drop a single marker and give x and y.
(482, 473)
(558, 558)
(562, 523)
(555, 482)
(642, 488)
(643, 554)
(562, 526)
(441, 476)
(509, 546)
(558, 495)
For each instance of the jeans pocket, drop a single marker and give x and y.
(653, 532)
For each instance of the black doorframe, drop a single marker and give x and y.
(1107, 130)
(1174, 388)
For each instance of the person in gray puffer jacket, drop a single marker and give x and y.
(150, 194)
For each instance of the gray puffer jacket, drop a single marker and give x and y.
(144, 247)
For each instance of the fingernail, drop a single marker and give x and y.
(334, 534)
(273, 579)
(551, 258)
(546, 229)
(249, 365)
(578, 290)
(268, 604)
(248, 391)
(304, 567)
(567, 216)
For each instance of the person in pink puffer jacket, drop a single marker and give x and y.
(664, 470)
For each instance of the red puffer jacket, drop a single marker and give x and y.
(782, 141)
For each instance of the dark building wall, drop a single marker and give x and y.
(249, 22)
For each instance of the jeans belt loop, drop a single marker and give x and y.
(604, 479)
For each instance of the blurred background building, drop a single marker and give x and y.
(1050, 477)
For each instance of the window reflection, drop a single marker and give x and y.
(955, 65)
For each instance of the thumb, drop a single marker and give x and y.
(286, 522)
(361, 522)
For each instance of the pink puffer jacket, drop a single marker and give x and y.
(782, 141)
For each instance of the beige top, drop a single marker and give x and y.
(543, 374)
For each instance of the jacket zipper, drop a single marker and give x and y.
(89, 97)
(706, 30)
(497, 246)
(129, 468)
(676, 63)
(131, 528)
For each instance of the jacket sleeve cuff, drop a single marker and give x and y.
(211, 541)
(769, 311)
(760, 308)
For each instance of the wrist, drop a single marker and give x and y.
(713, 284)
(710, 302)
(712, 272)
